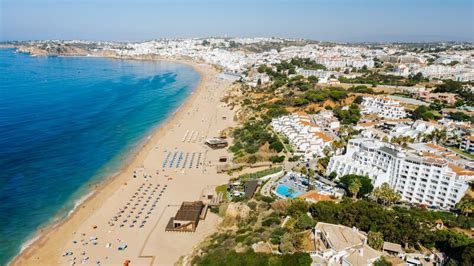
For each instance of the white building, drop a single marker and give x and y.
(415, 129)
(383, 107)
(467, 144)
(334, 61)
(261, 78)
(341, 245)
(322, 75)
(460, 72)
(326, 120)
(419, 176)
(304, 135)
(401, 70)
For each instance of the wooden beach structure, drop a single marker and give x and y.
(217, 143)
(187, 218)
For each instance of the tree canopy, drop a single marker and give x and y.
(375, 240)
(386, 194)
(456, 87)
(424, 113)
(365, 188)
(408, 227)
(229, 257)
(466, 205)
(348, 117)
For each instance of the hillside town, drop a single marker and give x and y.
(360, 154)
(236, 55)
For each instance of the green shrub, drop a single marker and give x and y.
(277, 159)
(269, 221)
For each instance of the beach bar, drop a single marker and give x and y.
(187, 217)
(216, 143)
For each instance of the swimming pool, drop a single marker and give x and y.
(284, 191)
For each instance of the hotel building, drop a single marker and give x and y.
(418, 175)
(467, 144)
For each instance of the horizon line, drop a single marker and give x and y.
(239, 37)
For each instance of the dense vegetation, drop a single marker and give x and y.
(321, 95)
(250, 137)
(223, 257)
(365, 185)
(284, 67)
(233, 245)
(362, 89)
(409, 227)
(413, 228)
(375, 78)
(451, 86)
(424, 113)
(302, 100)
(460, 116)
(307, 63)
(348, 117)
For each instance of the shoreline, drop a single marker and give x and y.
(95, 190)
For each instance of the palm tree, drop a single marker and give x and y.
(338, 144)
(310, 178)
(419, 136)
(440, 136)
(466, 205)
(354, 187)
(326, 151)
(375, 240)
(291, 191)
(386, 194)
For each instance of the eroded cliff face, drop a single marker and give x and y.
(31, 50)
(104, 53)
(48, 50)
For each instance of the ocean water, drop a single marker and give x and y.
(66, 123)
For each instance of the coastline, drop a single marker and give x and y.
(98, 192)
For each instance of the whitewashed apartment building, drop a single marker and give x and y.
(418, 176)
(383, 107)
(413, 130)
(336, 244)
(342, 62)
(467, 144)
(304, 135)
(322, 75)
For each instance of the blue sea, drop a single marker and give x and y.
(69, 122)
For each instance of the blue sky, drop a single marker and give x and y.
(330, 20)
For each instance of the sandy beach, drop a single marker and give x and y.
(133, 207)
